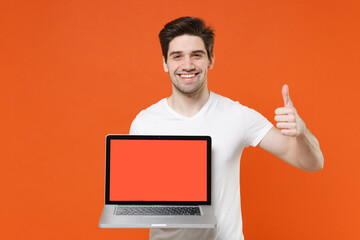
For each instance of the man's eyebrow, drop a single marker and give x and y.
(175, 52)
(195, 51)
(199, 51)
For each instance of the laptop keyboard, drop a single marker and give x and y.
(120, 210)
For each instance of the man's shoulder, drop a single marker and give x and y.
(153, 111)
(225, 102)
(147, 117)
(228, 107)
(222, 98)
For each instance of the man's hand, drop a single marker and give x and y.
(294, 143)
(288, 121)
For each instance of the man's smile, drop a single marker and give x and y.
(187, 76)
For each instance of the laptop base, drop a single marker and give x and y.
(110, 220)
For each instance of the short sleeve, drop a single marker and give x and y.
(255, 126)
(134, 128)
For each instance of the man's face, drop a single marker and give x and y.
(188, 64)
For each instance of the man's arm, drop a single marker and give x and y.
(292, 141)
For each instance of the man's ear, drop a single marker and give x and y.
(212, 60)
(166, 69)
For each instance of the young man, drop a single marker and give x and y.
(187, 46)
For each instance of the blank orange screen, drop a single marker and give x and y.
(158, 170)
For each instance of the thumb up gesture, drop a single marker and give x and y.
(288, 121)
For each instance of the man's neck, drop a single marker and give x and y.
(188, 105)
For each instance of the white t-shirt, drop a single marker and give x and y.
(232, 127)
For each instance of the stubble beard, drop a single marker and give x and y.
(187, 89)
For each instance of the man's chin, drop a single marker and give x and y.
(188, 91)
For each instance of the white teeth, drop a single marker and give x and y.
(187, 75)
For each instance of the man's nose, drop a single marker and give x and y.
(188, 64)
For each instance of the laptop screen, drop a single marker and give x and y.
(157, 168)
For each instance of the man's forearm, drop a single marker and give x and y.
(308, 152)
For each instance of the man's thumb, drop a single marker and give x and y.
(286, 97)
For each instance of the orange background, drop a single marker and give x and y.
(140, 170)
(74, 71)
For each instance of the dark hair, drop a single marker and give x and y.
(186, 25)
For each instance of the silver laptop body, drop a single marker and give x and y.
(151, 172)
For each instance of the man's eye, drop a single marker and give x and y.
(177, 56)
(197, 55)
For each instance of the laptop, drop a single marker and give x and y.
(158, 182)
